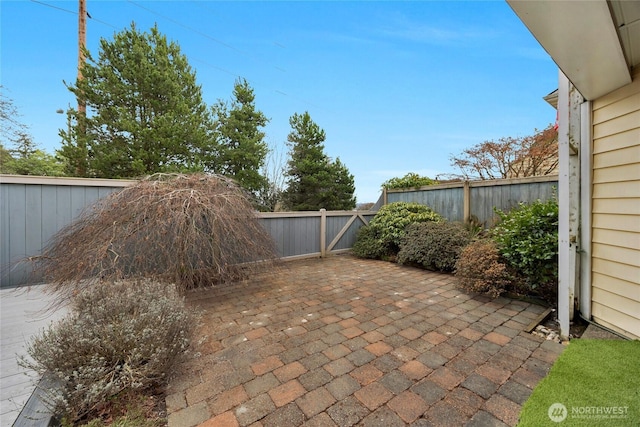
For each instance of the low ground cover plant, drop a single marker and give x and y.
(381, 238)
(433, 245)
(120, 338)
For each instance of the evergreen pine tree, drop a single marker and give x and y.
(145, 112)
(242, 149)
(314, 181)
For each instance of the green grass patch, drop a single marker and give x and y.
(597, 381)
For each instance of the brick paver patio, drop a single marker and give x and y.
(343, 341)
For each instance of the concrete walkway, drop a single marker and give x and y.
(343, 341)
(23, 313)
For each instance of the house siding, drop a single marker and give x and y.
(616, 210)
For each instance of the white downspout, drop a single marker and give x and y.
(585, 209)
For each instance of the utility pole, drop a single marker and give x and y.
(82, 41)
(81, 131)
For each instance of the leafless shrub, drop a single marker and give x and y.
(192, 230)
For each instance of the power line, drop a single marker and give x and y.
(73, 12)
(194, 31)
(207, 36)
(242, 24)
(103, 23)
(214, 66)
(55, 7)
(297, 99)
(186, 27)
(204, 6)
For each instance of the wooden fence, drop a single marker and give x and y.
(32, 209)
(461, 201)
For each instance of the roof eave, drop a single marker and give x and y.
(581, 38)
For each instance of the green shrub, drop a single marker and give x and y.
(119, 338)
(385, 231)
(393, 219)
(480, 268)
(433, 245)
(367, 244)
(527, 238)
(410, 180)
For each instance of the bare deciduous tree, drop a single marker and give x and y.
(538, 154)
(510, 157)
(12, 127)
(273, 169)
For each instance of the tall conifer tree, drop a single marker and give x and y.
(314, 181)
(242, 149)
(145, 111)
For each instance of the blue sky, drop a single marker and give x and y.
(397, 86)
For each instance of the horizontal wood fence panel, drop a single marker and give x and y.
(450, 200)
(31, 213)
(294, 236)
(33, 209)
(483, 200)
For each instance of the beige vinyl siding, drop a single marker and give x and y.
(617, 222)
(616, 210)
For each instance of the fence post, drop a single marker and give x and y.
(323, 232)
(384, 196)
(466, 205)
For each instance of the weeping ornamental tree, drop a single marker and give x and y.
(192, 230)
(313, 180)
(145, 112)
